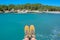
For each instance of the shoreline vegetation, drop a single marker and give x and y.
(29, 8)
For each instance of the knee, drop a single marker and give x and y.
(33, 39)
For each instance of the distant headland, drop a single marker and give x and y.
(25, 8)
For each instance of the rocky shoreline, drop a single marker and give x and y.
(29, 11)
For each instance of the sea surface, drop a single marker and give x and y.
(47, 26)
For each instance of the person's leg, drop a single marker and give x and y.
(32, 32)
(26, 39)
(33, 39)
(26, 32)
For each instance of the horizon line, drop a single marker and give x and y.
(29, 3)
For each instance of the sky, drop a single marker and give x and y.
(45, 2)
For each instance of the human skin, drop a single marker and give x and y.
(26, 39)
(33, 39)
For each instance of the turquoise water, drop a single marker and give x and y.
(47, 26)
